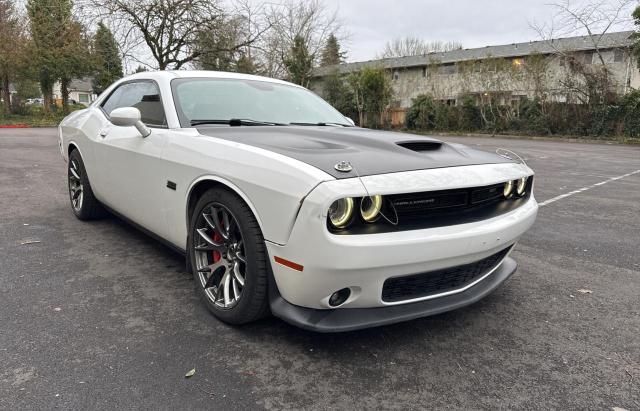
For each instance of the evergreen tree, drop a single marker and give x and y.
(74, 60)
(299, 63)
(331, 54)
(11, 42)
(636, 35)
(46, 18)
(245, 65)
(337, 92)
(108, 64)
(58, 49)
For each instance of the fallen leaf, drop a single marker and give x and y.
(190, 373)
(585, 291)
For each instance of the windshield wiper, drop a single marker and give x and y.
(321, 124)
(236, 122)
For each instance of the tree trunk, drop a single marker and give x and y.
(64, 90)
(6, 94)
(46, 89)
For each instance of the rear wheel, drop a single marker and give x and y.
(83, 203)
(228, 257)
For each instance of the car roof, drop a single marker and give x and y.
(171, 74)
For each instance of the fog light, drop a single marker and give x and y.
(339, 297)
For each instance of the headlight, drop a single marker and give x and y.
(370, 208)
(521, 186)
(340, 212)
(508, 189)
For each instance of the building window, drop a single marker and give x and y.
(518, 62)
(83, 98)
(588, 57)
(396, 75)
(618, 56)
(424, 71)
(448, 68)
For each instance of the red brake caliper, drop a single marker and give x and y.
(218, 239)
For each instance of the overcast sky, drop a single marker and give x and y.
(474, 23)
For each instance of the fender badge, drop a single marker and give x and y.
(343, 166)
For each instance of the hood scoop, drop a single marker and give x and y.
(421, 146)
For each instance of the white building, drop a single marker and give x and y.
(80, 91)
(449, 76)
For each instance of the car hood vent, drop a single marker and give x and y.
(421, 146)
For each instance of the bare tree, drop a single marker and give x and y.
(584, 82)
(414, 46)
(592, 18)
(312, 21)
(171, 30)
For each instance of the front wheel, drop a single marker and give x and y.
(228, 258)
(83, 203)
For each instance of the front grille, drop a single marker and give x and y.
(440, 281)
(430, 209)
(421, 204)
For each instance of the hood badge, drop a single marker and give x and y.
(343, 166)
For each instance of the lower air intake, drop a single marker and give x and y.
(440, 281)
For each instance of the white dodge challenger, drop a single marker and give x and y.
(281, 205)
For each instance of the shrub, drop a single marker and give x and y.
(531, 117)
(422, 113)
(630, 114)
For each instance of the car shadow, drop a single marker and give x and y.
(442, 327)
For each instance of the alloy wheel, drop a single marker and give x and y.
(76, 189)
(220, 255)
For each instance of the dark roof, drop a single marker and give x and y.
(81, 84)
(581, 43)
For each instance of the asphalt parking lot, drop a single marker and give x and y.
(99, 316)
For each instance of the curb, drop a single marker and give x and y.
(19, 125)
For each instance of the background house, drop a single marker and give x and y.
(511, 71)
(80, 91)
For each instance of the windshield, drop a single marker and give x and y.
(201, 99)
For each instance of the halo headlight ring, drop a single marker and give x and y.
(508, 189)
(341, 212)
(370, 208)
(521, 186)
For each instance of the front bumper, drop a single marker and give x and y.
(363, 263)
(341, 320)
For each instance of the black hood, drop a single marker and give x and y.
(370, 152)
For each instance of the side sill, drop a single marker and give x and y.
(146, 232)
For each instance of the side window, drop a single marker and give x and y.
(143, 95)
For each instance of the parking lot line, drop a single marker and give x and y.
(583, 189)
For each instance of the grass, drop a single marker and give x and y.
(30, 120)
(34, 116)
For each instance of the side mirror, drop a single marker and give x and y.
(350, 121)
(129, 117)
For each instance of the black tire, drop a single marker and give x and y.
(89, 207)
(253, 304)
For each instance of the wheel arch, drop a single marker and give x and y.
(202, 184)
(72, 146)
